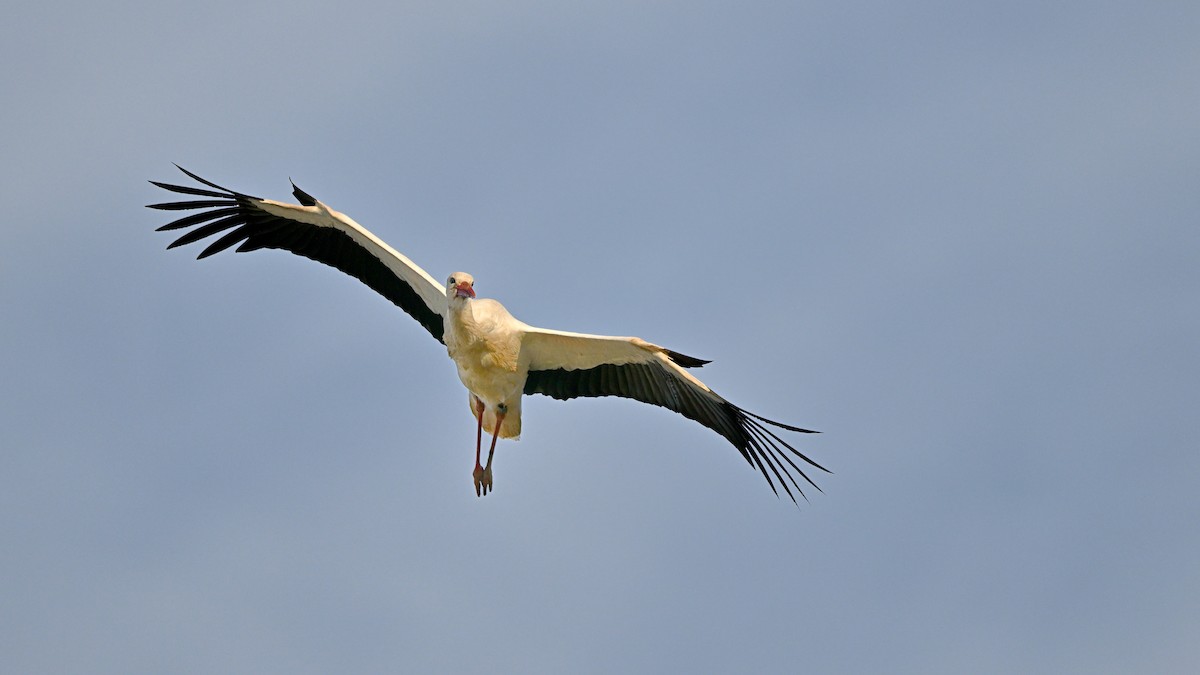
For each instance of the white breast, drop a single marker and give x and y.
(484, 341)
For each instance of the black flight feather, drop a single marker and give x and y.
(656, 383)
(251, 228)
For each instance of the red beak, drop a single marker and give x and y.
(464, 290)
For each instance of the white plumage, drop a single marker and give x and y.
(499, 358)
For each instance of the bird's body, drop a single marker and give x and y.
(498, 357)
(484, 341)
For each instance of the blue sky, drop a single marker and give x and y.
(959, 239)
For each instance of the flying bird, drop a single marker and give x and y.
(499, 358)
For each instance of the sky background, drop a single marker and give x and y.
(960, 239)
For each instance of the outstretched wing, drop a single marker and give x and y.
(568, 365)
(312, 230)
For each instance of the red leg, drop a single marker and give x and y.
(495, 435)
(478, 472)
(483, 475)
(478, 430)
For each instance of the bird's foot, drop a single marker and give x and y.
(483, 480)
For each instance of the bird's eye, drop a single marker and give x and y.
(452, 281)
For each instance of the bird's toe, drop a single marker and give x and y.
(483, 480)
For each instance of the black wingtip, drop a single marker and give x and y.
(685, 360)
(227, 192)
(305, 198)
(781, 425)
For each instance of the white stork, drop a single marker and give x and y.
(499, 358)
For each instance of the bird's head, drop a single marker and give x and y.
(460, 286)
